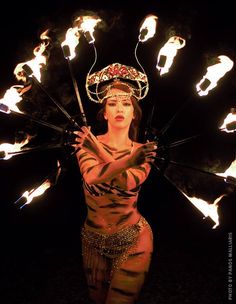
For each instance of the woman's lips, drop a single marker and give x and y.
(119, 117)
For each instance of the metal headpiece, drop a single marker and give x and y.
(116, 71)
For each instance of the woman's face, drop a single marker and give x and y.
(119, 110)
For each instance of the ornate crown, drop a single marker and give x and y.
(127, 74)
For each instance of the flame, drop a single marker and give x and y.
(209, 210)
(231, 171)
(11, 97)
(87, 25)
(231, 117)
(58, 172)
(44, 36)
(148, 28)
(7, 148)
(71, 40)
(168, 52)
(36, 63)
(213, 74)
(30, 195)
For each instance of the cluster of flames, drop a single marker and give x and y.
(85, 25)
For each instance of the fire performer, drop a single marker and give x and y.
(117, 241)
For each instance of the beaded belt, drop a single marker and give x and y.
(112, 245)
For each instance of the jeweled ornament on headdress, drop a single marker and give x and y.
(138, 81)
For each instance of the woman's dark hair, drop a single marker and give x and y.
(127, 88)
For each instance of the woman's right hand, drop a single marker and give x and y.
(89, 142)
(82, 138)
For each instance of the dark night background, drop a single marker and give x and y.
(40, 244)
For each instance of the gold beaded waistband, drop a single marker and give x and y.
(115, 244)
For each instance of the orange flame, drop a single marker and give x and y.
(231, 171)
(36, 63)
(168, 52)
(87, 24)
(45, 38)
(214, 73)
(30, 195)
(148, 28)
(11, 98)
(71, 40)
(208, 210)
(231, 117)
(5, 148)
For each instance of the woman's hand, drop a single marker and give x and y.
(81, 137)
(143, 154)
(88, 142)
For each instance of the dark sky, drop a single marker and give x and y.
(56, 216)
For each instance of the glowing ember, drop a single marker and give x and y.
(7, 148)
(229, 124)
(214, 73)
(10, 99)
(148, 28)
(87, 25)
(209, 210)
(168, 52)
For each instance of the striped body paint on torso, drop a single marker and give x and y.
(111, 206)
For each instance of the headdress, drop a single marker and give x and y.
(116, 71)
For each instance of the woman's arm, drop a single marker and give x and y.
(132, 177)
(94, 171)
(126, 173)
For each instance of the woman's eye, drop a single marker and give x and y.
(111, 104)
(126, 103)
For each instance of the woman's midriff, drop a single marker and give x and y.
(110, 213)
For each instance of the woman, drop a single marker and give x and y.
(117, 242)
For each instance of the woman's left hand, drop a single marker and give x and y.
(143, 154)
